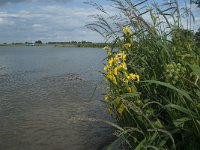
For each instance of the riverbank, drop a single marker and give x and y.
(59, 44)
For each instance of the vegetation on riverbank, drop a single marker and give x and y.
(60, 44)
(154, 77)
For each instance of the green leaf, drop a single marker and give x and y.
(196, 69)
(141, 144)
(129, 95)
(180, 91)
(182, 109)
(180, 122)
(152, 147)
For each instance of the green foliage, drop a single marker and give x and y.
(197, 38)
(38, 42)
(162, 111)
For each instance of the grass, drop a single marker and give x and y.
(153, 78)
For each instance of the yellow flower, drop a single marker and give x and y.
(109, 74)
(138, 78)
(123, 57)
(123, 66)
(134, 77)
(127, 45)
(116, 59)
(124, 80)
(106, 68)
(111, 77)
(114, 80)
(126, 30)
(115, 71)
(110, 61)
(121, 109)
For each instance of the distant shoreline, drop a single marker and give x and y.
(81, 45)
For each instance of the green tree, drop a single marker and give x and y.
(38, 42)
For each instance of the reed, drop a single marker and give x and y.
(153, 77)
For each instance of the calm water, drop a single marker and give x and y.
(42, 92)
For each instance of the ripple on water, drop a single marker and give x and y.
(38, 114)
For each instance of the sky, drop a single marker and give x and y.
(51, 20)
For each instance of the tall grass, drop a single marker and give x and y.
(153, 78)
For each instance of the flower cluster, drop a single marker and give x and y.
(115, 65)
(173, 72)
(121, 81)
(116, 69)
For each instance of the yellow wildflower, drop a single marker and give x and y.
(126, 30)
(134, 77)
(106, 68)
(124, 80)
(127, 45)
(123, 66)
(116, 59)
(123, 57)
(114, 80)
(138, 78)
(115, 71)
(110, 61)
(121, 109)
(111, 77)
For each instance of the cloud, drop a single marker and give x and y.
(3, 2)
(47, 23)
(6, 22)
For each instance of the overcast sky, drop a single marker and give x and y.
(49, 20)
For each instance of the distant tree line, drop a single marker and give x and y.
(38, 42)
(79, 44)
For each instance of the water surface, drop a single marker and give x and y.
(42, 92)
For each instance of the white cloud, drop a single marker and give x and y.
(10, 2)
(4, 22)
(36, 25)
(50, 23)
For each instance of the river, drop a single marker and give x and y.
(43, 92)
